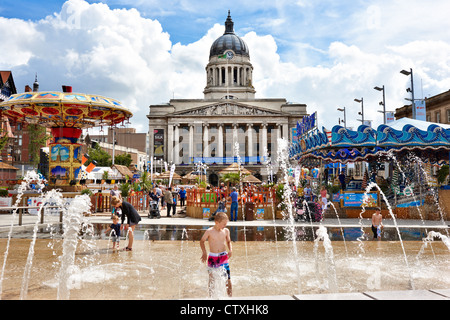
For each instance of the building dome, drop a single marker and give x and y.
(229, 41)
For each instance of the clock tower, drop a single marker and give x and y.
(229, 71)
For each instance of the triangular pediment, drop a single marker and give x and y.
(228, 108)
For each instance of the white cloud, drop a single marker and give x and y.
(18, 39)
(352, 73)
(122, 54)
(116, 53)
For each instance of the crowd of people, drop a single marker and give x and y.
(168, 197)
(171, 198)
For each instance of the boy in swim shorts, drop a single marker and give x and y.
(218, 238)
(377, 224)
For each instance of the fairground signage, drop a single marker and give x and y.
(308, 123)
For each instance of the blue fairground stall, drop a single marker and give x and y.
(407, 159)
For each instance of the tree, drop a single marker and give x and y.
(38, 139)
(145, 182)
(125, 189)
(443, 173)
(102, 157)
(4, 139)
(231, 178)
(123, 159)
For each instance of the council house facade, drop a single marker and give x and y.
(185, 132)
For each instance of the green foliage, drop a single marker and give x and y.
(38, 139)
(332, 189)
(125, 189)
(231, 178)
(102, 157)
(87, 191)
(145, 182)
(279, 192)
(136, 186)
(123, 159)
(443, 173)
(201, 184)
(3, 140)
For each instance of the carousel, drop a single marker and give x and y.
(66, 114)
(411, 149)
(429, 141)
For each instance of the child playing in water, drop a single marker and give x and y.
(115, 236)
(218, 238)
(377, 224)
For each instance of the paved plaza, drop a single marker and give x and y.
(28, 221)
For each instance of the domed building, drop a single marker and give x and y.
(229, 71)
(191, 131)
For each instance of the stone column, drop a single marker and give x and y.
(249, 141)
(176, 158)
(220, 142)
(191, 142)
(264, 141)
(205, 140)
(235, 138)
(226, 75)
(169, 142)
(279, 131)
(275, 145)
(244, 74)
(286, 131)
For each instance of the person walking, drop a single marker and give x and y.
(168, 199)
(182, 195)
(234, 204)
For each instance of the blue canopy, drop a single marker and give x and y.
(343, 145)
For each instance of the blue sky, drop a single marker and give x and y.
(320, 52)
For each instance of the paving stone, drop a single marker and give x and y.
(406, 295)
(334, 296)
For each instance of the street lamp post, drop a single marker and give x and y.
(410, 73)
(345, 118)
(383, 103)
(362, 109)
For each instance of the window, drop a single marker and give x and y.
(438, 117)
(448, 116)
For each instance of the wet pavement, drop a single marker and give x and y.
(28, 221)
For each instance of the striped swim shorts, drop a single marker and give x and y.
(219, 260)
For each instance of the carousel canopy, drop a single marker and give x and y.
(419, 124)
(64, 109)
(343, 145)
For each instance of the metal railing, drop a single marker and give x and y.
(21, 210)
